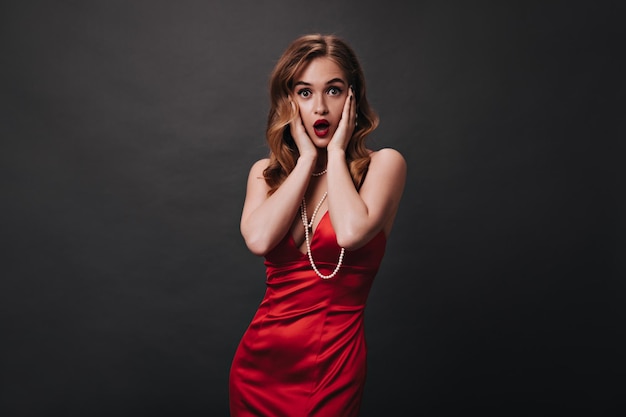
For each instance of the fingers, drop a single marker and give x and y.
(344, 131)
(298, 132)
(296, 120)
(345, 114)
(294, 110)
(348, 115)
(298, 126)
(352, 107)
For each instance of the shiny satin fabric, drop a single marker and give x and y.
(304, 353)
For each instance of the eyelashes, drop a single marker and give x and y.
(331, 91)
(304, 93)
(335, 91)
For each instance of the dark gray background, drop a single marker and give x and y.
(128, 129)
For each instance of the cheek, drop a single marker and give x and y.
(337, 106)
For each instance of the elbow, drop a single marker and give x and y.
(349, 240)
(257, 250)
(259, 240)
(257, 245)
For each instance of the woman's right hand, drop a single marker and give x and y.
(301, 138)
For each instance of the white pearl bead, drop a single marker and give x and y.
(308, 225)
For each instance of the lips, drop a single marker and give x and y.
(321, 127)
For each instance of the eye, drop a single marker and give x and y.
(304, 93)
(334, 91)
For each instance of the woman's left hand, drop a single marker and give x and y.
(346, 126)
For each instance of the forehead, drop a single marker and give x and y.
(320, 70)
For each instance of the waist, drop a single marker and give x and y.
(298, 287)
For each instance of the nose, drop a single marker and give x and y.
(320, 105)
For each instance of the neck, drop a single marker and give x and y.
(322, 159)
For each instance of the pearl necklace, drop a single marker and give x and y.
(308, 226)
(318, 174)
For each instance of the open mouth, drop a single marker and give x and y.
(321, 128)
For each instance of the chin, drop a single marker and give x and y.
(321, 142)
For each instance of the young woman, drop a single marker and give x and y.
(319, 210)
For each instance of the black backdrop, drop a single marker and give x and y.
(128, 129)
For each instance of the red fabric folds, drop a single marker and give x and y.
(304, 353)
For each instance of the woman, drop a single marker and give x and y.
(319, 210)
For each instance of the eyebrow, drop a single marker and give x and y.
(334, 80)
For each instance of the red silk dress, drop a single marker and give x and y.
(304, 353)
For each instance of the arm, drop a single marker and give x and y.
(265, 220)
(358, 216)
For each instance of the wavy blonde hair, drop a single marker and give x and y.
(283, 150)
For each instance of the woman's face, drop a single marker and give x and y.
(320, 90)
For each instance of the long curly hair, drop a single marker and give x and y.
(283, 150)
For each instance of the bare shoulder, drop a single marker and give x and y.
(387, 170)
(387, 159)
(258, 167)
